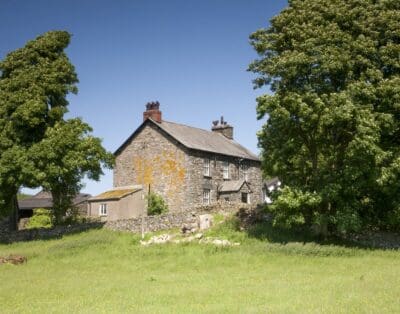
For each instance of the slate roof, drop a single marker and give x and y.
(117, 193)
(43, 199)
(232, 186)
(272, 182)
(198, 139)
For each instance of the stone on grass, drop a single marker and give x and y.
(13, 259)
(205, 221)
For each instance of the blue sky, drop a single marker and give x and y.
(189, 55)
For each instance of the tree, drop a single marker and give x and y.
(333, 128)
(34, 82)
(66, 154)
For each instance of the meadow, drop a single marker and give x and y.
(102, 271)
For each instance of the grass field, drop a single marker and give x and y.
(102, 271)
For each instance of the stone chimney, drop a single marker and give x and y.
(223, 127)
(153, 111)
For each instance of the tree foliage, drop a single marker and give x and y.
(333, 127)
(34, 83)
(67, 153)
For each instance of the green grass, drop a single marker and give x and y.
(272, 271)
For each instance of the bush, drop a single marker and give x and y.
(294, 207)
(156, 204)
(393, 219)
(42, 218)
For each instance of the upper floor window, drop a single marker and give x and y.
(206, 167)
(245, 171)
(206, 196)
(225, 170)
(103, 210)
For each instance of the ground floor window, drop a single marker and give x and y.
(103, 210)
(246, 198)
(206, 196)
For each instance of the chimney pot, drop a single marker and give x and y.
(153, 111)
(223, 127)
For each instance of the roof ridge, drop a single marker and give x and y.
(201, 129)
(189, 126)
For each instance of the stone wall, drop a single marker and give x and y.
(154, 158)
(7, 236)
(198, 182)
(148, 223)
(171, 220)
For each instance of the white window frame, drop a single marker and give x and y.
(225, 170)
(207, 167)
(103, 209)
(206, 196)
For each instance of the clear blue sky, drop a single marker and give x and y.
(189, 55)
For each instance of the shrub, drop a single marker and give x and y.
(42, 218)
(156, 204)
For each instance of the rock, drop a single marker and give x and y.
(205, 221)
(13, 259)
(161, 239)
(198, 236)
(189, 228)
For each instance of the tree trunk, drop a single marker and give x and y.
(14, 215)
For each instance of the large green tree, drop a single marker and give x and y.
(333, 118)
(68, 153)
(34, 82)
(38, 146)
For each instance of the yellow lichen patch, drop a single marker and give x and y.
(167, 168)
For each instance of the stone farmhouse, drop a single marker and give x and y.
(187, 166)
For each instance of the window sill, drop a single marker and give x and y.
(208, 177)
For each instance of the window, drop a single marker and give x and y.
(103, 210)
(225, 170)
(245, 171)
(206, 196)
(206, 167)
(246, 198)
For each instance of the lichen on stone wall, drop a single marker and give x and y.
(167, 167)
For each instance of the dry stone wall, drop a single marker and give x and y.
(172, 220)
(136, 225)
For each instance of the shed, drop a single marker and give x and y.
(119, 203)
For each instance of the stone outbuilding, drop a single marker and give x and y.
(43, 199)
(119, 203)
(186, 165)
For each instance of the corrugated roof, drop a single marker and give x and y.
(200, 139)
(44, 200)
(116, 193)
(232, 186)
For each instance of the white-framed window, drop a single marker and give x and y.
(225, 170)
(206, 196)
(206, 167)
(245, 171)
(103, 210)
